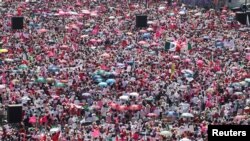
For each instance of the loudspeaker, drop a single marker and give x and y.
(14, 113)
(17, 22)
(141, 21)
(241, 17)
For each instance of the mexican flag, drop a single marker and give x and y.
(170, 46)
(186, 47)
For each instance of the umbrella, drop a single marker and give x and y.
(182, 12)
(154, 44)
(198, 14)
(53, 68)
(146, 35)
(111, 17)
(113, 105)
(171, 114)
(84, 36)
(150, 22)
(143, 31)
(8, 60)
(25, 98)
(42, 30)
(152, 115)
(99, 80)
(86, 94)
(134, 107)
(124, 97)
(135, 94)
(93, 14)
(55, 96)
(110, 81)
(122, 108)
(240, 117)
(142, 42)
(100, 72)
(2, 86)
(187, 115)
(23, 66)
(3, 50)
(85, 11)
(176, 57)
(106, 55)
(185, 139)
(55, 129)
(32, 119)
(238, 93)
(166, 133)
(161, 8)
(59, 84)
(41, 80)
(247, 80)
(150, 29)
(102, 84)
(129, 33)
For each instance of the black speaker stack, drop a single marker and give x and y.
(14, 113)
(17, 23)
(141, 21)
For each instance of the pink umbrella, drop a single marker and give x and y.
(84, 36)
(134, 107)
(99, 40)
(63, 61)
(142, 42)
(248, 56)
(64, 47)
(50, 54)
(43, 30)
(199, 63)
(187, 60)
(152, 115)
(122, 108)
(106, 55)
(61, 13)
(176, 57)
(143, 31)
(154, 44)
(93, 40)
(93, 14)
(32, 119)
(113, 105)
(240, 117)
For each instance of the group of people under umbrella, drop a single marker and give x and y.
(82, 71)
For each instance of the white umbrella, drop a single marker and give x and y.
(25, 98)
(53, 130)
(247, 80)
(124, 97)
(2, 86)
(150, 22)
(111, 17)
(238, 93)
(85, 11)
(166, 133)
(182, 13)
(185, 139)
(134, 94)
(187, 115)
(198, 14)
(86, 94)
(161, 8)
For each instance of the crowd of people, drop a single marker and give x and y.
(82, 70)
